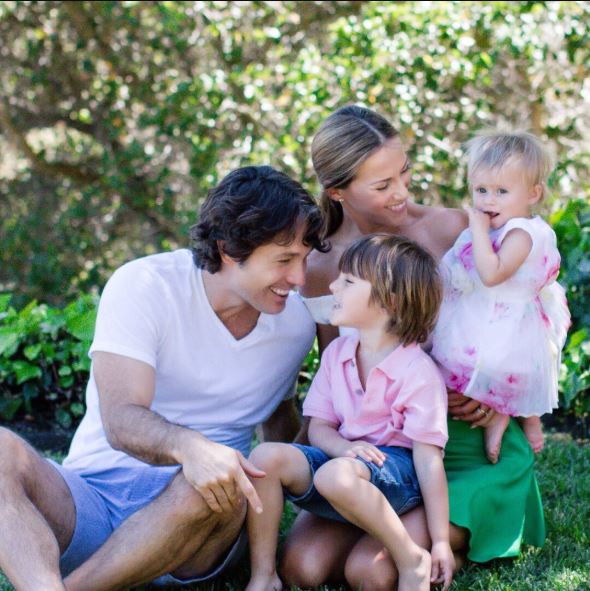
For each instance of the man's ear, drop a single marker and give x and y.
(536, 194)
(225, 258)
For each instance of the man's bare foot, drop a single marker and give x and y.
(418, 577)
(533, 430)
(493, 433)
(265, 583)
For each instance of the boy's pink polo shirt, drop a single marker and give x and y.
(405, 397)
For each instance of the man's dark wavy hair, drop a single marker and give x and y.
(252, 206)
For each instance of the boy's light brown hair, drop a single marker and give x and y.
(404, 281)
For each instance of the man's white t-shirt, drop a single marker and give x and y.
(155, 310)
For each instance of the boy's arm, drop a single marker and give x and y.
(496, 267)
(324, 434)
(433, 484)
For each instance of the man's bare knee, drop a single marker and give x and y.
(225, 532)
(13, 457)
(190, 506)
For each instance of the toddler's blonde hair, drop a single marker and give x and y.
(494, 148)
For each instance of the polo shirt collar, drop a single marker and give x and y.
(390, 365)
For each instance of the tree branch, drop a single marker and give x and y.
(14, 135)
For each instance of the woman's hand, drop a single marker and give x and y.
(463, 408)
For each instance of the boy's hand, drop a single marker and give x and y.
(367, 451)
(443, 564)
(478, 220)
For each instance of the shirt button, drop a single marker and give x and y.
(359, 392)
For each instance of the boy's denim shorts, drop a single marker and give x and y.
(396, 479)
(104, 500)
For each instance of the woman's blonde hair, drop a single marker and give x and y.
(343, 142)
(404, 281)
(493, 148)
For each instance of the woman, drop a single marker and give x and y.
(365, 174)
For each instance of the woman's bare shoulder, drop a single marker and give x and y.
(446, 223)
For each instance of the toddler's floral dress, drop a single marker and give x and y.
(501, 345)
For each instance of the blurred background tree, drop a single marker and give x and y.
(116, 117)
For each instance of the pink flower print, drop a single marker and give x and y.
(500, 309)
(458, 382)
(552, 273)
(470, 351)
(544, 316)
(466, 256)
(512, 379)
(501, 401)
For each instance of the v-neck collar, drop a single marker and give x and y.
(262, 326)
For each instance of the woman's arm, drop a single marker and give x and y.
(433, 484)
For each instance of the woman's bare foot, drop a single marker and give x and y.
(533, 430)
(416, 578)
(493, 433)
(265, 583)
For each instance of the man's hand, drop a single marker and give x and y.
(220, 474)
(443, 564)
(362, 449)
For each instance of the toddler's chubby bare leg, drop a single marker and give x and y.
(285, 466)
(345, 482)
(533, 430)
(493, 433)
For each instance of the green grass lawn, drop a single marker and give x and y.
(563, 564)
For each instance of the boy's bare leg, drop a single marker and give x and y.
(285, 466)
(369, 565)
(37, 514)
(533, 430)
(345, 483)
(176, 533)
(493, 433)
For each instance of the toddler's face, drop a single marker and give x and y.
(503, 193)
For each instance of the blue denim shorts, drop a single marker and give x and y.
(396, 479)
(104, 500)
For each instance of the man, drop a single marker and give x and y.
(190, 354)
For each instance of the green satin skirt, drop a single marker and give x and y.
(499, 504)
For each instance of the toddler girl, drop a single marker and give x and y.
(504, 318)
(378, 420)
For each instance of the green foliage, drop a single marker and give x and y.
(572, 226)
(43, 359)
(118, 116)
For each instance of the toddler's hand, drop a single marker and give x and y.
(443, 564)
(367, 451)
(478, 220)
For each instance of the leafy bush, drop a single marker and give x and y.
(43, 350)
(43, 359)
(572, 226)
